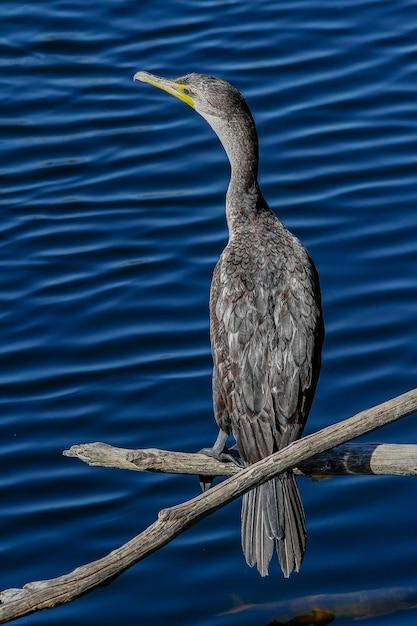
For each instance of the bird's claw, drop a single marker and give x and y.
(228, 455)
(205, 482)
(211, 452)
(231, 455)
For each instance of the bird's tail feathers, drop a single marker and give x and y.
(273, 514)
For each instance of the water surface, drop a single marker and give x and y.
(112, 218)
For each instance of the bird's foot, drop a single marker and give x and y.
(227, 455)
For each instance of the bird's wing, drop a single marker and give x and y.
(222, 379)
(266, 338)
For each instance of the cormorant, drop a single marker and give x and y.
(266, 327)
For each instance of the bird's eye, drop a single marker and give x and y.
(186, 91)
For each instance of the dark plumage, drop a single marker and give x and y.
(266, 328)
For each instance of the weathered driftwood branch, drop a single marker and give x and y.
(347, 459)
(48, 593)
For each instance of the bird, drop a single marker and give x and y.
(266, 328)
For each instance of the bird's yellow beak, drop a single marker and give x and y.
(170, 86)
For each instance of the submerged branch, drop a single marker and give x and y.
(48, 593)
(347, 459)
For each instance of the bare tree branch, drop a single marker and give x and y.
(347, 459)
(48, 593)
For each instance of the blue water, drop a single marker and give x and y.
(112, 218)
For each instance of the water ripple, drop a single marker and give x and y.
(112, 218)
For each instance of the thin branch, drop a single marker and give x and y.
(48, 593)
(347, 459)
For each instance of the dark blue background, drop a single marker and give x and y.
(112, 217)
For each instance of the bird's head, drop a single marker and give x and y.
(209, 96)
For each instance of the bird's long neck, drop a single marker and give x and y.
(240, 141)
